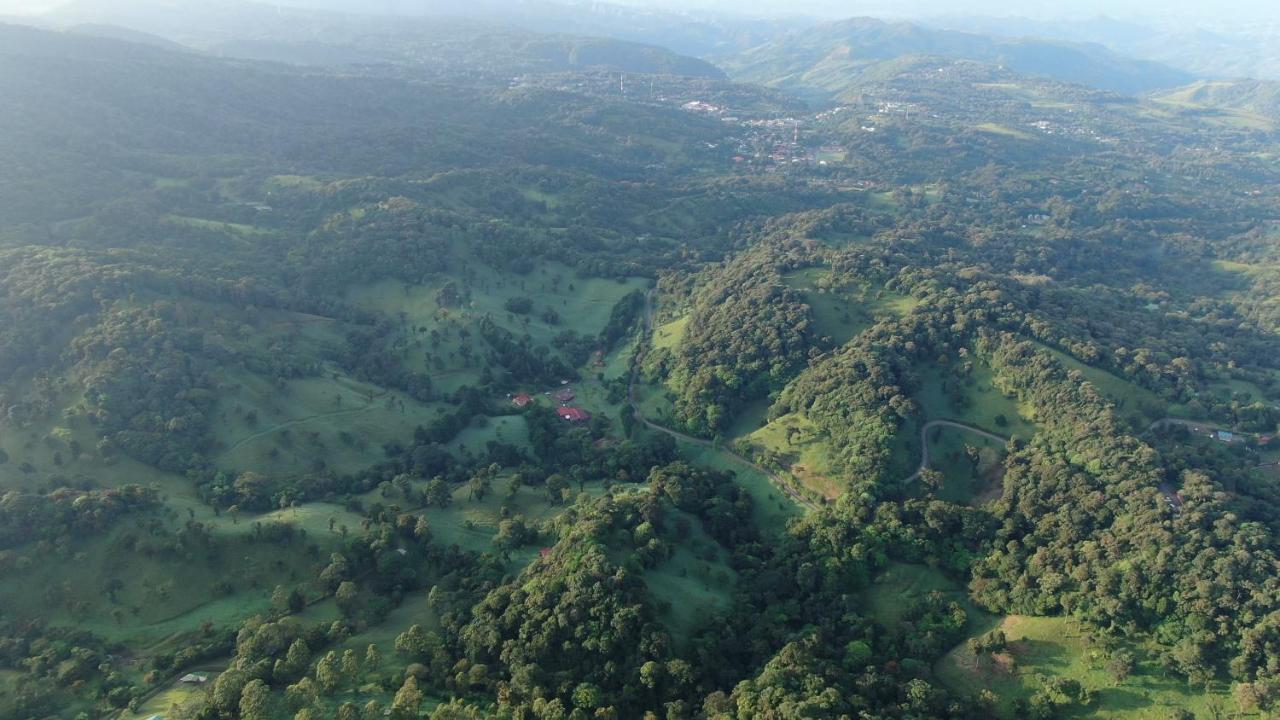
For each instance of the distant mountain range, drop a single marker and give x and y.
(828, 59)
(687, 34)
(436, 38)
(438, 45)
(1244, 52)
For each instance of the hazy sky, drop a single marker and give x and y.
(1217, 12)
(25, 6)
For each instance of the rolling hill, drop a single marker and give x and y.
(828, 59)
(1258, 97)
(446, 44)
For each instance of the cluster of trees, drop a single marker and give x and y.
(747, 335)
(35, 517)
(1084, 529)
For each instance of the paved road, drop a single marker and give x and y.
(924, 442)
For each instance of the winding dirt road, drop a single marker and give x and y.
(924, 441)
(778, 481)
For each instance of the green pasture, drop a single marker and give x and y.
(1060, 647)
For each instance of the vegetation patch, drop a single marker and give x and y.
(970, 465)
(795, 445)
(964, 390)
(1122, 679)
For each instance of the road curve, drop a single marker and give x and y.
(924, 442)
(778, 481)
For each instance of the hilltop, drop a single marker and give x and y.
(827, 59)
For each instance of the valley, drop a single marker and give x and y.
(368, 366)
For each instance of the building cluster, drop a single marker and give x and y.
(563, 398)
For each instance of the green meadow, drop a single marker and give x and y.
(692, 584)
(949, 392)
(963, 480)
(1061, 647)
(841, 312)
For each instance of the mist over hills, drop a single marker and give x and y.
(828, 57)
(439, 45)
(1222, 52)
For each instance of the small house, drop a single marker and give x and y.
(521, 400)
(194, 679)
(1226, 437)
(566, 395)
(573, 414)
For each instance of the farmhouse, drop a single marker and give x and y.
(521, 400)
(573, 414)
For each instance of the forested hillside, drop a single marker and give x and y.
(363, 392)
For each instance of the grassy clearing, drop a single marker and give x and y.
(694, 583)
(471, 523)
(279, 429)
(175, 700)
(840, 313)
(772, 509)
(510, 429)
(226, 227)
(972, 398)
(800, 446)
(668, 335)
(1004, 131)
(962, 481)
(892, 591)
(293, 182)
(158, 594)
(414, 610)
(551, 200)
(1060, 647)
(1133, 402)
(750, 419)
(656, 402)
(582, 305)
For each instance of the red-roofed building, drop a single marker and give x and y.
(573, 414)
(521, 400)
